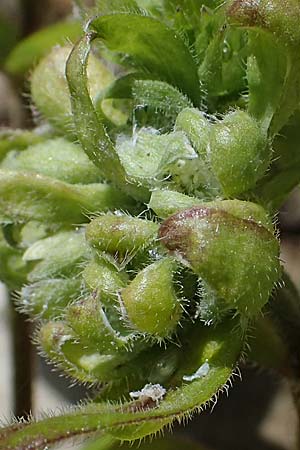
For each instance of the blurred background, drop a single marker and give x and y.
(258, 414)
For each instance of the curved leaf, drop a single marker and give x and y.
(150, 46)
(219, 348)
(31, 49)
(90, 130)
(28, 196)
(284, 173)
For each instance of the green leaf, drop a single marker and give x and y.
(122, 87)
(266, 76)
(183, 15)
(284, 173)
(28, 196)
(148, 45)
(218, 348)
(31, 49)
(90, 130)
(161, 102)
(274, 83)
(112, 6)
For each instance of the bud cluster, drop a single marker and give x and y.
(137, 222)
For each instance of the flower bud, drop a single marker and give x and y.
(105, 279)
(57, 256)
(120, 234)
(197, 127)
(237, 258)
(239, 152)
(150, 300)
(56, 158)
(234, 151)
(30, 196)
(47, 299)
(280, 17)
(85, 363)
(50, 91)
(90, 324)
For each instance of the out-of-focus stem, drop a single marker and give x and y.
(22, 361)
(285, 311)
(28, 16)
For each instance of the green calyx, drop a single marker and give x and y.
(234, 151)
(228, 252)
(50, 91)
(281, 17)
(150, 300)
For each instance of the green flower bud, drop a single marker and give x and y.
(50, 91)
(237, 258)
(47, 299)
(90, 323)
(150, 300)
(102, 277)
(239, 152)
(166, 203)
(197, 127)
(120, 234)
(11, 139)
(280, 17)
(197, 173)
(235, 153)
(57, 256)
(85, 364)
(56, 158)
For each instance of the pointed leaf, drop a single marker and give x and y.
(90, 130)
(149, 45)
